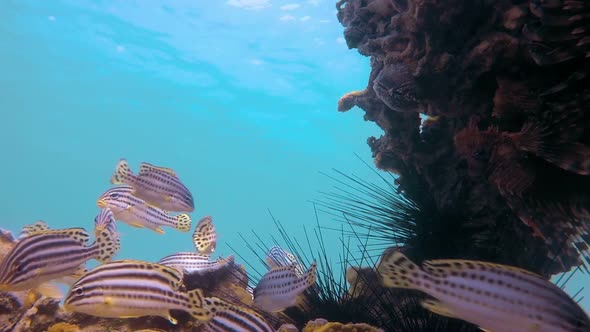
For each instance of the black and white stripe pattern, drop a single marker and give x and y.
(130, 288)
(193, 262)
(231, 318)
(50, 255)
(135, 211)
(159, 186)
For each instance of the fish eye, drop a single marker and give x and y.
(79, 291)
(114, 195)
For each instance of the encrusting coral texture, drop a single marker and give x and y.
(503, 86)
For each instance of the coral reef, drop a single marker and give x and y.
(504, 85)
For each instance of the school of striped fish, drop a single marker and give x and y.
(494, 297)
(154, 198)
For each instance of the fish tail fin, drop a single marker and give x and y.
(107, 245)
(183, 222)
(310, 276)
(122, 173)
(398, 271)
(195, 305)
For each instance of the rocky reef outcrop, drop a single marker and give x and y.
(483, 105)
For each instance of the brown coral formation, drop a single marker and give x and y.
(510, 145)
(321, 325)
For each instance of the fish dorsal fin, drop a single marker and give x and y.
(173, 275)
(146, 168)
(444, 267)
(77, 234)
(33, 229)
(398, 271)
(310, 276)
(290, 268)
(205, 236)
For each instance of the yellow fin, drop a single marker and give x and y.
(171, 319)
(38, 227)
(183, 222)
(438, 308)
(136, 224)
(107, 246)
(159, 230)
(398, 271)
(146, 168)
(195, 305)
(122, 173)
(50, 290)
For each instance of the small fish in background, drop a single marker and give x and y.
(47, 255)
(495, 297)
(228, 317)
(205, 236)
(137, 213)
(279, 257)
(158, 186)
(281, 288)
(133, 288)
(190, 262)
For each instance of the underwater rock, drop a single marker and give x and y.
(508, 142)
(322, 325)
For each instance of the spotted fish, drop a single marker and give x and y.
(132, 288)
(204, 236)
(231, 318)
(495, 297)
(156, 185)
(52, 255)
(190, 262)
(280, 287)
(136, 212)
(279, 257)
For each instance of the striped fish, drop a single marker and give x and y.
(137, 213)
(105, 220)
(231, 318)
(50, 255)
(205, 237)
(280, 287)
(190, 262)
(495, 297)
(279, 257)
(132, 288)
(159, 186)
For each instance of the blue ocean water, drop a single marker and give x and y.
(238, 96)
